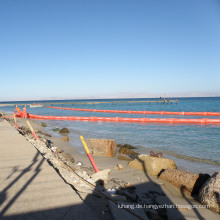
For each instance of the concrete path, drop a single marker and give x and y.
(29, 187)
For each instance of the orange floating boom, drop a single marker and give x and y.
(141, 112)
(118, 119)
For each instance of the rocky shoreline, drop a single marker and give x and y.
(120, 184)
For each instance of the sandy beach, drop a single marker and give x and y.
(146, 197)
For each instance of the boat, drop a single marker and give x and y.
(34, 105)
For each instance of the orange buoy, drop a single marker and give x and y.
(119, 119)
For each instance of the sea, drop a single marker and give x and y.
(194, 147)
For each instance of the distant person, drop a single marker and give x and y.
(25, 112)
(19, 112)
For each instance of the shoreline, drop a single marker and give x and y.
(183, 162)
(157, 190)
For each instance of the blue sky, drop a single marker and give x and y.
(72, 48)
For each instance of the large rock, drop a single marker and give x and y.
(64, 131)
(189, 183)
(210, 193)
(152, 165)
(102, 147)
(124, 150)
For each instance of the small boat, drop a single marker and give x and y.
(36, 105)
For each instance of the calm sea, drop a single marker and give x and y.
(194, 147)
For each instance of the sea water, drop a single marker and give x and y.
(194, 147)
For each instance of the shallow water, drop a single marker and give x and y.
(194, 144)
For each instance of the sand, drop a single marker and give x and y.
(145, 191)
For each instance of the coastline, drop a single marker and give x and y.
(138, 179)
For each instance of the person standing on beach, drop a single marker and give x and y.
(25, 112)
(19, 112)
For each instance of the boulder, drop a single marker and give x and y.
(189, 183)
(152, 165)
(101, 175)
(128, 146)
(102, 147)
(210, 193)
(65, 138)
(64, 131)
(124, 150)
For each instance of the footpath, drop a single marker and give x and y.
(29, 187)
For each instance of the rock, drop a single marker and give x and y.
(125, 157)
(120, 167)
(102, 147)
(65, 138)
(152, 165)
(187, 182)
(127, 146)
(64, 131)
(210, 193)
(101, 175)
(45, 134)
(55, 129)
(43, 124)
(124, 150)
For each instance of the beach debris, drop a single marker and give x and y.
(102, 147)
(152, 154)
(210, 193)
(64, 131)
(188, 183)
(151, 165)
(79, 163)
(111, 191)
(140, 179)
(43, 124)
(65, 138)
(120, 167)
(101, 175)
(25, 130)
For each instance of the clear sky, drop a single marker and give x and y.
(80, 48)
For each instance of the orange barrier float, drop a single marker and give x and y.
(141, 112)
(118, 119)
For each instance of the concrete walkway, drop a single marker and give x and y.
(29, 187)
